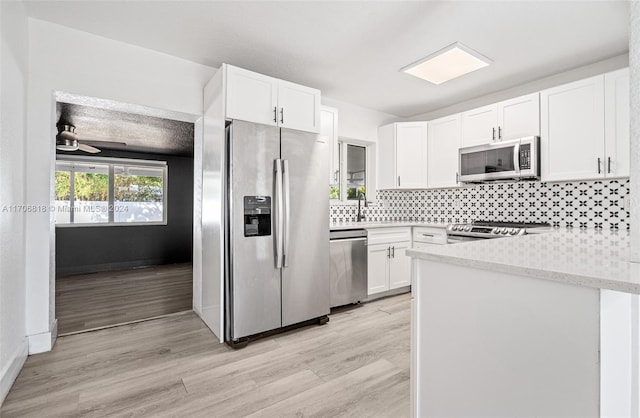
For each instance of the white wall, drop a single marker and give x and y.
(71, 61)
(13, 90)
(634, 67)
(600, 67)
(358, 122)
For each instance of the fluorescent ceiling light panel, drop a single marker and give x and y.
(450, 62)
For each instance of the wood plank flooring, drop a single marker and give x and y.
(101, 299)
(357, 365)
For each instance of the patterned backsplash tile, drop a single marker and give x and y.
(584, 204)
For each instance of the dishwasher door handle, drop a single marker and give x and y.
(348, 239)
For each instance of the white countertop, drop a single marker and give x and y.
(387, 224)
(592, 258)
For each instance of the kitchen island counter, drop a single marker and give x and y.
(591, 258)
(535, 325)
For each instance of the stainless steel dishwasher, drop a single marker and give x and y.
(348, 273)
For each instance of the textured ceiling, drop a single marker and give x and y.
(353, 50)
(139, 133)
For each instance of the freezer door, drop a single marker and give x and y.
(254, 282)
(305, 275)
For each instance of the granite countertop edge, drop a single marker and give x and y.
(602, 279)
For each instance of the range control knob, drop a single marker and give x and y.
(504, 231)
(513, 231)
(454, 227)
(467, 228)
(495, 230)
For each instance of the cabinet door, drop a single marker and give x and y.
(251, 97)
(616, 118)
(572, 141)
(443, 142)
(400, 265)
(385, 158)
(479, 126)
(299, 107)
(377, 268)
(519, 117)
(329, 133)
(411, 155)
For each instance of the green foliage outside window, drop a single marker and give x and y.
(87, 186)
(353, 193)
(138, 188)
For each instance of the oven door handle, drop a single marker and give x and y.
(516, 158)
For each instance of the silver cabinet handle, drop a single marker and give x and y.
(599, 165)
(428, 235)
(393, 252)
(282, 115)
(493, 134)
(499, 132)
(287, 212)
(457, 178)
(388, 252)
(275, 114)
(398, 181)
(279, 215)
(608, 164)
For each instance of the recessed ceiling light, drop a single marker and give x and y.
(450, 62)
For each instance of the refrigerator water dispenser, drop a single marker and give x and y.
(257, 216)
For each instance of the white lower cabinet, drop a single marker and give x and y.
(387, 263)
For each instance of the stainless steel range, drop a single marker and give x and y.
(490, 229)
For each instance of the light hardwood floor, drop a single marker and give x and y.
(101, 299)
(357, 365)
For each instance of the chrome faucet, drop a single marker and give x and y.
(360, 216)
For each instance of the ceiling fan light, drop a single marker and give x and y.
(66, 144)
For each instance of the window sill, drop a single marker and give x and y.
(103, 224)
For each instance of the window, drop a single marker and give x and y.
(354, 173)
(107, 191)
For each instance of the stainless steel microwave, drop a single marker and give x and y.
(515, 159)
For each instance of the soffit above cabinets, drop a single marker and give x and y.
(352, 51)
(140, 133)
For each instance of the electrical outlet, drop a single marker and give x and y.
(626, 203)
(457, 203)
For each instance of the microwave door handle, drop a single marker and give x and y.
(516, 158)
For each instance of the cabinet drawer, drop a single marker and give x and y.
(388, 235)
(429, 235)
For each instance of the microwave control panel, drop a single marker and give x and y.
(525, 157)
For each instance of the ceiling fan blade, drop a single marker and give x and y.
(88, 148)
(104, 143)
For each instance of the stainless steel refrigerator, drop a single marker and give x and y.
(277, 229)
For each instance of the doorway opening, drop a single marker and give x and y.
(124, 188)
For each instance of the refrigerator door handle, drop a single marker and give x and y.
(287, 212)
(279, 214)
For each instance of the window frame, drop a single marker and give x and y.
(370, 166)
(111, 162)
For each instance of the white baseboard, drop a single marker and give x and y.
(10, 372)
(40, 343)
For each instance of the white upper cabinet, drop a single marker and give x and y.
(519, 117)
(616, 119)
(329, 133)
(255, 97)
(402, 156)
(572, 142)
(479, 126)
(251, 96)
(513, 118)
(443, 140)
(299, 107)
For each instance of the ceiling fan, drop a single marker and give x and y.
(67, 140)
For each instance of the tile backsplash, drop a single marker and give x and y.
(580, 204)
